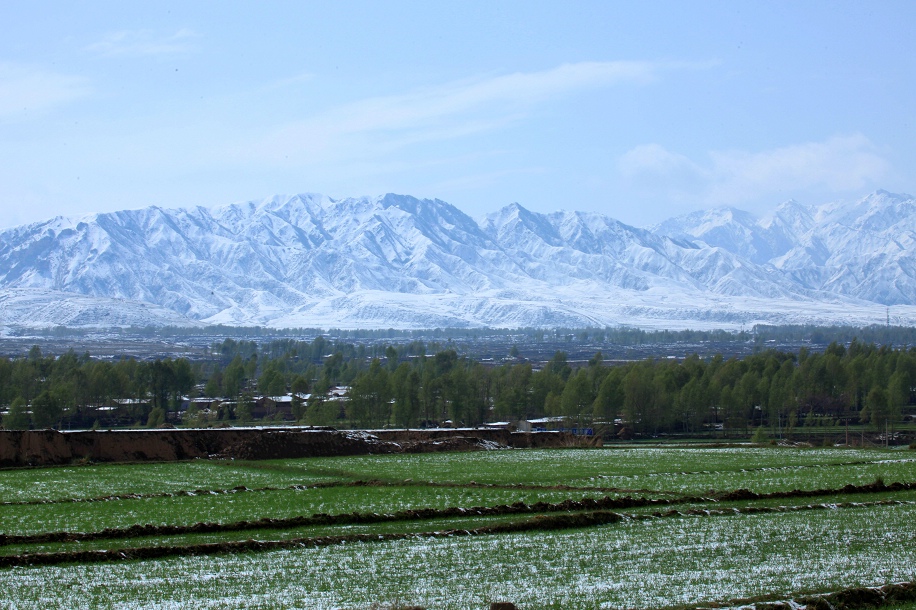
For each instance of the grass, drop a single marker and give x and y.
(96, 480)
(644, 563)
(628, 467)
(588, 467)
(659, 469)
(280, 504)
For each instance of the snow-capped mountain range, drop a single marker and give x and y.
(397, 261)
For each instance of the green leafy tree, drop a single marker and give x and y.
(319, 411)
(391, 358)
(18, 417)
(609, 401)
(243, 411)
(183, 380)
(639, 398)
(693, 403)
(513, 392)
(46, 411)
(299, 387)
(192, 416)
(156, 418)
(369, 397)
(406, 386)
(251, 367)
(214, 386)
(234, 378)
(272, 383)
(577, 397)
(876, 411)
(160, 383)
(899, 388)
(478, 399)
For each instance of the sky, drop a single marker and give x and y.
(637, 110)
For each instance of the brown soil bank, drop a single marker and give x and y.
(49, 447)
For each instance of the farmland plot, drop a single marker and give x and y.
(686, 471)
(56, 483)
(691, 550)
(239, 506)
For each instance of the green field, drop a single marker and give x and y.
(672, 539)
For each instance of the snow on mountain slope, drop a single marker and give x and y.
(36, 308)
(566, 246)
(729, 228)
(862, 249)
(398, 261)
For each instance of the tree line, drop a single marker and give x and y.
(47, 391)
(404, 386)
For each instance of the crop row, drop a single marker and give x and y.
(591, 467)
(661, 471)
(609, 467)
(329, 485)
(605, 503)
(706, 521)
(186, 510)
(567, 520)
(233, 506)
(641, 562)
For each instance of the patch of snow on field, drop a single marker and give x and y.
(642, 564)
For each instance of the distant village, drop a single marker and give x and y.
(203, 411)
(769, 393)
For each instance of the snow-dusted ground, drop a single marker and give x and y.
(631, 564)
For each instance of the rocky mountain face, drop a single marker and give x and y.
(862, 250)
(397, 261)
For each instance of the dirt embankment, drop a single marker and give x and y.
(49, 447)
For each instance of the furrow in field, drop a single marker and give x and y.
(537, 523)
(335, 484)
(606, 503)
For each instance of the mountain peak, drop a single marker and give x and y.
(399, 261)
(887, 194)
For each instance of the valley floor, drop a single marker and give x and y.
(555, 528)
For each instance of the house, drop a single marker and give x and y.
(499, 425)
(273, 407)
(201, 403)
(541, 424)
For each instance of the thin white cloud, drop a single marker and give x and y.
(840, 163)
(30, 89)
(657, 160)
(447, 111)
(143, 42)
(430, 105)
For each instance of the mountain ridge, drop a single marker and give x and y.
(399, 261)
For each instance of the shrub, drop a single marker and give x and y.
(760, 436)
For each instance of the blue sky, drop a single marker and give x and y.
(638, 110)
